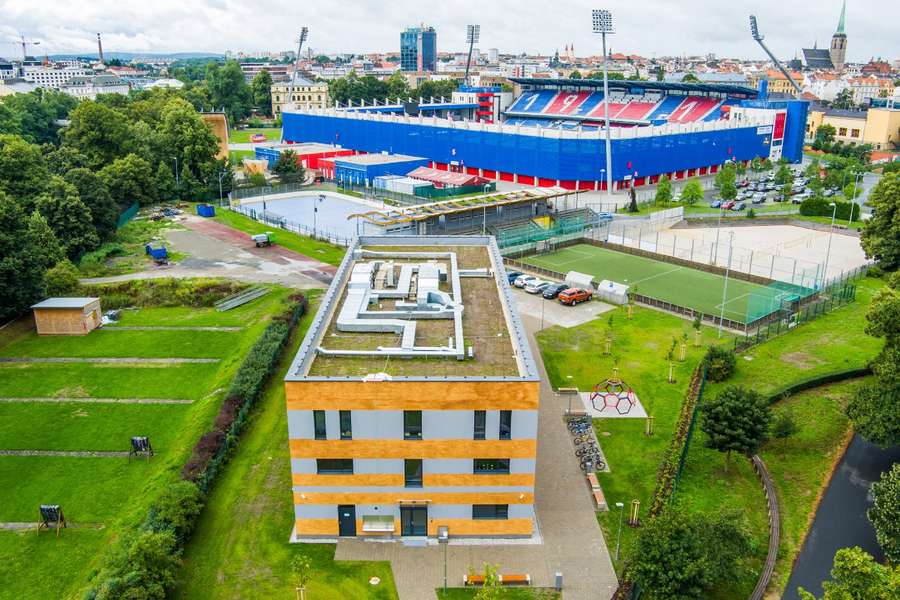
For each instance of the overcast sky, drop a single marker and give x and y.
(646, 27)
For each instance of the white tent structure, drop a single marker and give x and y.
(612, 292)
(579, 280)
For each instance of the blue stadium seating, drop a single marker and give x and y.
(669, 104)
(532, 102)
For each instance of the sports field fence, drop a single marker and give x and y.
(274, 220)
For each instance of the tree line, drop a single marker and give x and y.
(68, 169)
(369, 88)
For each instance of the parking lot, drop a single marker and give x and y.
(551, 312)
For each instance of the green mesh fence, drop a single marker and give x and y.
(530, 232)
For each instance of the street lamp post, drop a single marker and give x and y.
(221, 175)
(177, 179)
(484, 210)
(602, 22)
(833, 205)
(853, 199)
(725, 286)
(444, 540)
(321, 198)
(621, 508)
(718, 229)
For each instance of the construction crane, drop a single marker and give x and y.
(24, 43)
(754, 31)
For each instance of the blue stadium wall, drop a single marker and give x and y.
(548, 158)
(794, 127)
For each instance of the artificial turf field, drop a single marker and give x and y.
(683, 286)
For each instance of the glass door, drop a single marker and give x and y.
(413, 520)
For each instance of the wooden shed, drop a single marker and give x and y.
(67, 316)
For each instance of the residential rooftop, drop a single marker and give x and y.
(417, 308)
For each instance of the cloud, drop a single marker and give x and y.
(646, 27)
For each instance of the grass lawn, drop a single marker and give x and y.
(107, 491)
(240, 547)
(237, 156)
(242, 136)
(639, 347)
(323, 251)
(125, 252)
(183, 316)
(684, 286)
(759, 209)
(856, 224)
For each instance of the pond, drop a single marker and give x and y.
(841, 521)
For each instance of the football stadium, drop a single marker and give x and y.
(550, 132)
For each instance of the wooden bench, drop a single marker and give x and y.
(599, 498)
(592, 481)
(507, 579)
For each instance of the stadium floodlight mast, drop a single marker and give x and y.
(725, 285)
(473, 33)
(754, 32)
(602, 21)
(304, 34)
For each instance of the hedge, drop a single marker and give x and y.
(819, 380)
(195, 293)
(144, 564)
(819, 207)
(671, 463)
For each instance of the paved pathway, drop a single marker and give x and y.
(167, 328)
(65, 453)
(572, 541)
(63, 399)
(19, 525)
(79, 359)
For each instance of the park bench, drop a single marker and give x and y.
(507, 579)
(599, 498)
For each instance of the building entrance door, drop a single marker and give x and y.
(413, 520)
(346, 520)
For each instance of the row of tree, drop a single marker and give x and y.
(62, 189)
(369, 88)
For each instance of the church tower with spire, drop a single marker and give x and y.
(839, 42)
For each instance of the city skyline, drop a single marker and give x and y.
(218, 26)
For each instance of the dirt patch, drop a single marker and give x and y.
(78, 391)
(801, 360)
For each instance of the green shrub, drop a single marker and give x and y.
(719, 363)
(163, 292)
(142, 567)
(817, 206)
(61, 279)
(93, 263)
(176, 510)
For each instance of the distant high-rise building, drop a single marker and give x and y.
(418, 49)
(493, 56)
(839, 42)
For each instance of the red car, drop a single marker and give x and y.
(257, 138)
(573, 296)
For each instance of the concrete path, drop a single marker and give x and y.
(572, 542)
(74, 359)
(65, 453)
(61, 400)
(20, 526)
(168, 328)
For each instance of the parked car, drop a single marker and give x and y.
(828, 193)
(257, 138)
(759, 198)
(523, 280)
(715, 204)
(537, 286)
(553, 290)
(727, 205)
(744, 183)
(512, 276)
(739, 206)
(573, 296)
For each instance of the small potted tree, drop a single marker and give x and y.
(670, 356)
(682, 355)
(609, 335)
(696, 325)
(302, 574)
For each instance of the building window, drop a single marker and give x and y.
(491, 465)
(412, 472)
(346, 426)
(412, 424)
(319, 424)
(505, 424)
(330, 466)
(842, 131)
(854, 133)
(490, 511)
(480, 417)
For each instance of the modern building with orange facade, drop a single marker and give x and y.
(413, 401)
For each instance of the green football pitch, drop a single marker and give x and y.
(683, 286)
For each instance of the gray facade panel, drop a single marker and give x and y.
(447, 424)
(441, 466)
(524, 424)
(378, 424)
(492, 425)
(521, 511)
(300, 425)
(376, 466)
(303, 466)
(315, 511)
(332, 425)
(450, 511)
(521, 465)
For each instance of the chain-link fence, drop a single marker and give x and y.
(268, 218)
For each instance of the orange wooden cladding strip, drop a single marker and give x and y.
(482, 527)
(397, 480)
(309, 497)
(363, 479)
(524, 448)
(316, 526)
(412, 395)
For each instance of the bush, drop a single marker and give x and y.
(92, 263)
(176, 510)
(61, 279)
(141, 568)
(751, 214)
(163, 292)
(817, 206)
(719, 363)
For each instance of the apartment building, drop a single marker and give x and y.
(412, 403)
(53, 76)
(301, 93)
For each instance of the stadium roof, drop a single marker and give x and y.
(817, 58)
(446, 177)
(629, 85)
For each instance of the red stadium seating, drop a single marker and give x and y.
(614, 108)
(693, 108)
(565, 103)
(635, 111)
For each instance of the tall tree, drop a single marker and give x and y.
(288, 167)
(100, 133)
(45, 244)
(228, 89)
(262, 92)
(692, 192)
(663, 191)
(23, 174)
(93, 192)
(129, 180)
(68, 217)
(679, 556)
(736, 420)
(21, 271)
(885, 513)
(165, 182)
(856, 576)
(881, 233)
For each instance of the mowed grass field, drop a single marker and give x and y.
(54, 407)
(683, 286)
